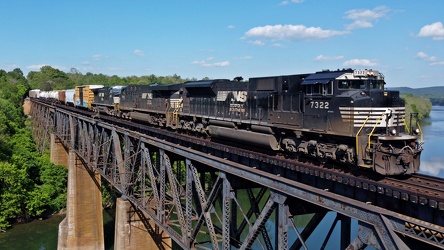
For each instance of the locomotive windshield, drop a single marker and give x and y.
(377, 84)
(360, 84)
(351, 84)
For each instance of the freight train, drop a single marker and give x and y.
(346, 116)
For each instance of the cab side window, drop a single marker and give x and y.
(319, 89)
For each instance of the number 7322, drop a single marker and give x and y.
(319, 105)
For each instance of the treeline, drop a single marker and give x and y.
(49, 78)
(30, 186)
(417, 104)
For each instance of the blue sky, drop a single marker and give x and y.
(225, 39)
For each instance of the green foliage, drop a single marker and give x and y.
(10, 120)
(13, 86)
(108, 195)
(24, 154)
(29, 184)
(54, 184)
(416, 104)
(90, 79)
(14, 189)
(49, 79)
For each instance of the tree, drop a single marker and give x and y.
(49, 78)
(14, 86)
(14, 189)
(76, 76)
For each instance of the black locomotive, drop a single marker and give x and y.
(344, 115)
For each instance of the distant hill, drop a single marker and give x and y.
(435, 94)
(429, 91)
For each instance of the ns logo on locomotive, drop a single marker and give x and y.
(346, 116)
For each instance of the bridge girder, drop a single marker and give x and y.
(177, 188)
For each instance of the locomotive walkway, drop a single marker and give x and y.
(184, 191)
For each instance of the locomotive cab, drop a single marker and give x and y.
(377, 116)
(354, 104)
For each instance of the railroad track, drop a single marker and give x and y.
(427, 188)
(418, 189)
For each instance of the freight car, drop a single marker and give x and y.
(84, 95)
(34, 93)
(69, 97)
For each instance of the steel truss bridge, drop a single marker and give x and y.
(193, 192)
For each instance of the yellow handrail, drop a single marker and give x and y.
(357, 135)
(373, 130)
(176, 115)
(405, 125)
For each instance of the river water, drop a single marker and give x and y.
(432, 158)
(42, 234)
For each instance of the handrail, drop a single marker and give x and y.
(405, 125)
(357, 135)
(168, 113)
(373, 130)
(176, 114)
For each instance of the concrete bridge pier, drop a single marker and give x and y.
(83, 226)
(58, 154)
(132, 232)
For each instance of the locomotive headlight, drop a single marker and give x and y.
(417, 131)
(393, 132)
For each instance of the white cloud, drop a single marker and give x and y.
(365, 18)
(244, 58)
(138, 53)
(97, 57)
(222, 64)
(291, 33)
(424, 57)
(257, 43)
(433, 60)
(328, 58)
(433, 167)
(207, 63)
(360, 62)
(359, 24)
(231, 26)
(85, 63)
(434, 30)
(278, 45)
(286, 2)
